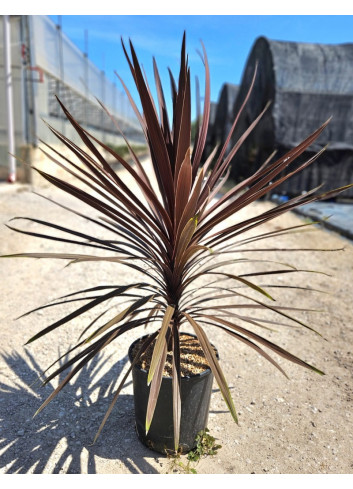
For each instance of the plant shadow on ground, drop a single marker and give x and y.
(59, 439)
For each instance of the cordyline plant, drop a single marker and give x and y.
(169, 232)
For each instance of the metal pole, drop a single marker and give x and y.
(61, 71)
(85, 55)
(9, 98)
(32, 94)
(103, 101)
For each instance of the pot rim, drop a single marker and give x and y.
(207, 371)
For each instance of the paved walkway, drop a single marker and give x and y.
(335, 216)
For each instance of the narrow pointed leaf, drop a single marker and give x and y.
(280, 351)
(215, 367)
(176, 381)
(120, 317)
(155, 385)
(160, 342)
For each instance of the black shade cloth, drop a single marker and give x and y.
(306, 84)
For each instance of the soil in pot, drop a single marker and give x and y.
(196, 387)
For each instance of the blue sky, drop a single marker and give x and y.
(228, 40)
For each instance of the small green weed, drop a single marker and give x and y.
(205, 446)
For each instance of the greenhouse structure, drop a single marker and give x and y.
(223, 117)
(306, 84)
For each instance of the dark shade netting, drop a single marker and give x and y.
(306, 84)
(222, 117)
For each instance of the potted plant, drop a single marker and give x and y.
(172, 229)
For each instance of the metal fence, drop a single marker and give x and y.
(75, 77)
(45, 63)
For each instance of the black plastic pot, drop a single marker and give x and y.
(195, 394)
